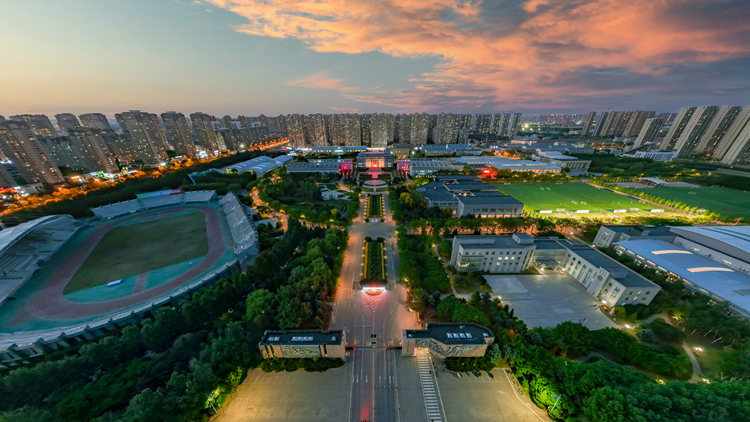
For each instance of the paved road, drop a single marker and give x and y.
(374, 381)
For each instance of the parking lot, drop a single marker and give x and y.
(291, 396)
(486, 399)
(549, 299)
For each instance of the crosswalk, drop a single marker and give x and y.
(429, 390)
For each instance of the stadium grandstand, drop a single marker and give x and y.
(239, 218)
(152, 200)
(25, 246)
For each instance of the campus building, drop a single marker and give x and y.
(448, 339)
(373, 159)
(603, 277)
(321, 165)
(608, 235)
(561, 160)
(303, 344)
(467, 195)
(449, 150)
(427, 166)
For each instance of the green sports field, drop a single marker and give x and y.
(569, 196)
(135, 249)
(729, 202)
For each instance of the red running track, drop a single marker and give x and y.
(49, 303)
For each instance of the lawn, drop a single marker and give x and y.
(725, 201)
(374, 206)
(570, 197)
(138, 248)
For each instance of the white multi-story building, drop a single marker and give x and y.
(603, 277)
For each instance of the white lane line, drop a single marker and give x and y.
(519, 398)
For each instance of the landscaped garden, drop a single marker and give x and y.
(374, 265)
(374, 206)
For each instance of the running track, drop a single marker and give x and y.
(49, 303)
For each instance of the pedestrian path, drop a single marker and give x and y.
(429, 390)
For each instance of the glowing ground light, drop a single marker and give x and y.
(374, 290)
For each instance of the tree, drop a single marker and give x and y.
(260, 308)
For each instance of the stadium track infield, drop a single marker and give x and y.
(563, 195)
(49, 303)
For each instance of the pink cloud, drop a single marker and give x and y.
(345, 109)
(511, 62)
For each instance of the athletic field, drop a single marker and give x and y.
(570, 198)
(725, 201)
(138, 248)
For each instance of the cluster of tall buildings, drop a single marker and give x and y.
(380, 129)
(615, 123)
(722, 132)
(33, 149)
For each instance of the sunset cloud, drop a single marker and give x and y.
(506, 54)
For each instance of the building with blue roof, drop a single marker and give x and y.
(698, 272)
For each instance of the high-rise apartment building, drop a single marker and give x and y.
(648, 132)
(314, 130)
(734, 146)
(365, 124)
(599, 128)
(513, 125)
(144, 130)
(694, 130)
(382, 127)
(2, 118)
(716, 130)
(634, 125)
(67, 121)
(120, 146)
(62, 152)
(202, 125)
(446, 130)
(420, 128)
(587, 123)
(352, 130)
(21, 145)
(678, 126)
(482, 124)
(295, 130)
(95, 120)
(94, 152)
(500, 124)
(178, 133)
(38, 123)
(402, 129)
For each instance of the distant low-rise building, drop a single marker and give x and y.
(608, 235)
(321, 165)
(561, 160)
(303, 344)
(448, 339)
(449, 150)
(468, 196)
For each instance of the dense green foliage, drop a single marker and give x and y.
(309, 365)
(630, 350)
(644, 194)
(418, 266)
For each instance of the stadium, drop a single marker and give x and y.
(64, 281)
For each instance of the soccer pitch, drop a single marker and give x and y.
(139, 248)
(570, 197)
(725, 201)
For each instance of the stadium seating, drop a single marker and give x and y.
(134, 205)
(29, 243)
(243, 232)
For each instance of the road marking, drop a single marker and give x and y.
(519, 398)
(429, 394)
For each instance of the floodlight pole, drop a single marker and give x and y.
(553, 407)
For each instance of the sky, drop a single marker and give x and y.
(397, 56)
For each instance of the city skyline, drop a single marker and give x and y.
(240, 57)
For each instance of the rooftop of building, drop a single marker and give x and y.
(489, 200)
(377, 154)
(457, 178)
(621, 273)
(302, 337)
(709, 275)
(638, 230)
(734, 236)
(488, 242)
(453, 333)
(439, 195)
